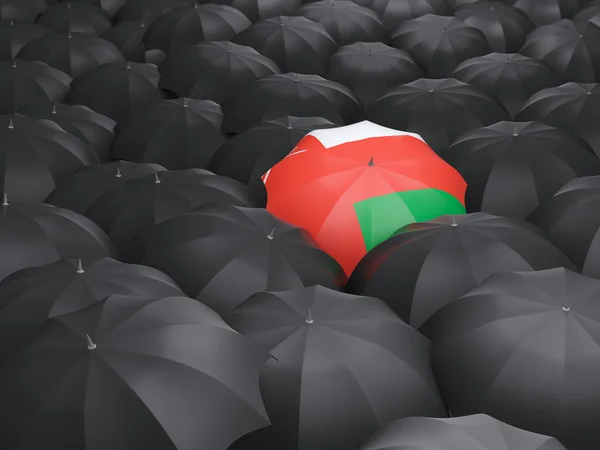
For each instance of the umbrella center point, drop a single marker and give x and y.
(430, 90)
(589, 92)
(566, 308)
(309, 321)
(454, 224)
(515, 134)
(371, 162)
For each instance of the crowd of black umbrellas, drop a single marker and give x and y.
(149, 299)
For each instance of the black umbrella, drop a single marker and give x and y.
(512, 78)
(522, 347)
(571, 220)
(109, 6)
(14, 35)
(591, 13)
(571, 51)
(117, 90)
(427, 265)
(345, 21)
(25, 83)
(128, 210)
(439, 43)
(31, 296)
(394, 12)
(291, 94)
(476, 432)
(32, 234)
(512, 167)
(92, 128)
(295, 44)
(26, 10)
(256, 10)
(222, 254)
(572, 106)
(371, 68)
(79, 191)
(132, 372)
(128, 38)
(35, 155)
(455, 5)
(75, 17)
(337, 359)
(504, 27)
(177, 134)
(217, 71)
(73, 53)
(549, 11)
(437, 110)
(150, 10)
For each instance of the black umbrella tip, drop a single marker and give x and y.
(4, 199)
(271, 235)
(14, 63)
(309, 319)
(91, 345)
(80, 266)
(156, 179)
(229, 47)
(10, 124)
(53, 108)
(566, 308)
(371, 162)
(12, 21)
(589, 92)
(515, 134)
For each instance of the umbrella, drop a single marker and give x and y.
(109, 6)
(591, 13)
(35, 155)
(73, 53)
(455, 5)
(295, 44)
(177, 134)
(222, 254)
(425, 266)
(26, 10)
(75, 17)
(438, 110)
(345, 21)
(572, 106)
(512, 167)
(90, 127)
(187, 26)
(504, 27)
(217, 71)
(14, 35)
(117, 90)
(510, 77)
(522, 348)
(571, 51)
(476, 432)
(32, 234)
(395, 12)
(80, 190)
(30, 297)
(549, 11)
(571, 221)
(351, 187)
(150, 10)
(371, 68)
(132, 372)
(25, 83)
(439, 43)
(256, 10)
(128, 38)
(128, 210)
(337, 359)
(290, 94)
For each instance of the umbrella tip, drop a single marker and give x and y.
(80, 266)
(589, 92)
(371, 162)
(453, 224)
(68, 5)
(185, 105)
(12, 21)
(566, 308)
(229, 47)
(10, 124)
(91, 345)
(156, 179)
(69, 35)
(295, 76)
(309, 319)
(53, 108)
(14, 63)
(4, 199)
(271, 235)
(128, 65)
(118, 175)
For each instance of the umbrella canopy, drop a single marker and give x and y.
(222, 254)
(512, 167)
(109, 6)
(217, 71)
(73, 53)
(345, 21)
(150, 10)
(476, 432)
(591, 13)
(32, 234)
(528, 356)
(295, 44)
(80, 190)
(425, 266)
(15, 34)
(352, 187)
(290, 94)
(25, 83)
(128, 38)
(572, 51)
(139, 203)
(505, 28)
(30, 297)
(187, 26)
(371, 68)
(510, 77)
(117, 90)
(550, 11)
(571, 106)
(26, 10)
(571, 221)
(256, 10)
(35, 155)
(75, 17)
(132, 372)
(90, 127)
(333, 365)
(437, 110)
(394, 12)
(177, 134)
(439, 43)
